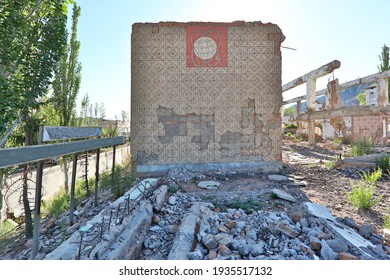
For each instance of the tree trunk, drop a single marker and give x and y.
(2, 211)
(26, 203)
(66, 168)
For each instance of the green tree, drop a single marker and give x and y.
(66, 84)
(32, 40)
(384, 62)
(289, 111)
(361, 97)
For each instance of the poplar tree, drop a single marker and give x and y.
(66, 84)
(384, 62)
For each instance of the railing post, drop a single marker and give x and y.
(311, 103)
(113, 163)
(72, 187)
(97, 177)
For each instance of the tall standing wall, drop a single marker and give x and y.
(206, 96)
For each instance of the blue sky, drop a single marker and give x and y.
(321, 31)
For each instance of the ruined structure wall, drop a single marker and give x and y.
(221, 108)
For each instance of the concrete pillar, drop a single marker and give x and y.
(311, 103)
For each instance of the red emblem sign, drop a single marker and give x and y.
(207, 46)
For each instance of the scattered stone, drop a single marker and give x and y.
(281, 226)
(244, 249)
(209, 185)
(257, 249)
(315, 243)
(327, 253)
(277, 178)
(155, 219)
(224, 229)
(223, 250)
(212, 255)
(350, 222)
(283, 195)
(366, 230)
(196, 255)
(209, 241)
(231, 224)
(347, 256)
(172, 200)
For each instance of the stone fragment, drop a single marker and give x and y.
(327, 253)
(196, 255)
(366, 230)
(212, 255)
(338, 245)
(350, 222)
(386, 233)
(283, 195)
(155, 219)
(223, 250)
(277, 178)
(251, 235)
(347, 256)
(172, 200)
(258, 249)
(244, 249)
(281, 226)
(296, 217)
(156, 229)
(209, 241)
(231, 224)
(223, 229)
(304, 222)
(315, 243)
(322, 235)
(209, 185)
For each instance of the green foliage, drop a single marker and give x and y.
(384, 59)
(32, 39)
(362, 196)
(342, 140)
(289, 135)
(384, 164)
(67, 79)
(362, 147)
(386, 221)
(173, 189)
(249, 205)
(330, 164)
(371, 177)
(361, 97)
(290, 125)
(289, 111)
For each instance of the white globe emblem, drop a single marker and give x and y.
(205, 47)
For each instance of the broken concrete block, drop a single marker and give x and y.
(209, 185)
(277, 178)
(283, 195)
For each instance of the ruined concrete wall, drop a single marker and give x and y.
(367, 127)
(205, 93)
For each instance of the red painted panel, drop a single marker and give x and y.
(207, 46)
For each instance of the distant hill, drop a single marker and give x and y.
(348, 97)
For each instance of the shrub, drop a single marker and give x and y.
(362, 147)
(384, 164)
(386, 221)
(372, 177)
(290, 125)
(362, 196)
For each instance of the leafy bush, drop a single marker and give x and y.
(362, 196)
(386, 221)
(362, 147)
(384, 164)
(290, 125)
(372, 177)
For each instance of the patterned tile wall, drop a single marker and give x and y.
(182, 114)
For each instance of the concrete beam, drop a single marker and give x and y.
(51, 133)
(22, 155)
(365, 80)
(344, 112)
(319, 72)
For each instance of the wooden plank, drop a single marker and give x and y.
(52, 133)
(21, 155)
(319, 72)
(344, 112)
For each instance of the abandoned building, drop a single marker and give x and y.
(206, 96)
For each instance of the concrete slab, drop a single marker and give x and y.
(319, 211)
(277, 178)
(283, 195)
(209, 185)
